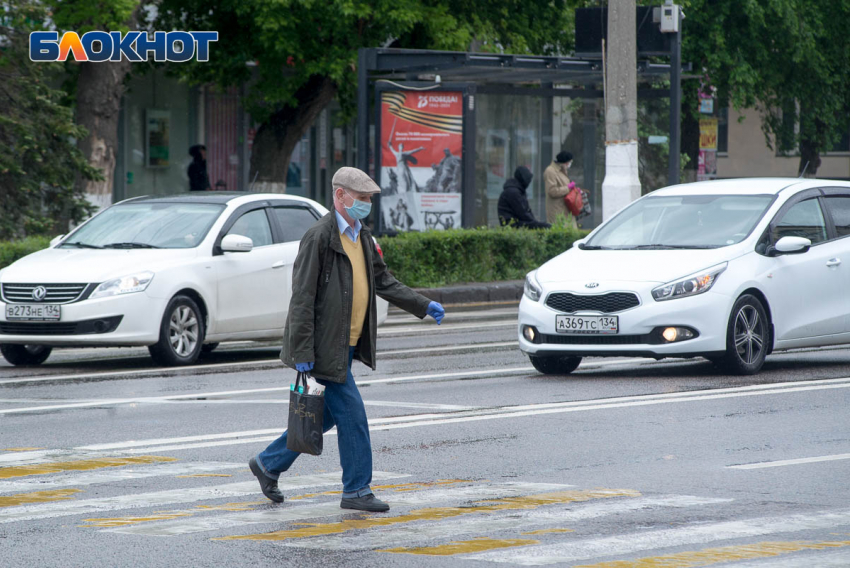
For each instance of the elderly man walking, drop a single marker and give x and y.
(332, 321)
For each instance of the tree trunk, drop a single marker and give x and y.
(100, 87)
(690, 129)
(813, 136)
(276, 138)
(99, 90)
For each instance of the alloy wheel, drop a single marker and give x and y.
(749, 334)
(183, 331)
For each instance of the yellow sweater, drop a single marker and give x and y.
(360, 294)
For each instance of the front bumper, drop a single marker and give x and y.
(118, 321)
(706, 313)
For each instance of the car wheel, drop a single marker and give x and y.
(25, 354)
(181, 334)
(555, 365)
(746, 337)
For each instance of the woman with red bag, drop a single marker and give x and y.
(558, 187)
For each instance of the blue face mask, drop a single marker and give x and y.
(358, 209)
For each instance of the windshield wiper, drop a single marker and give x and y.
(130, 245)
(81, 245)
(583, 246)
(670, 247)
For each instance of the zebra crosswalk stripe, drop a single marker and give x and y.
(626, 544)
(297, 513)
(169, 497)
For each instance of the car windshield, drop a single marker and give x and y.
(682, 222)
(147, 225)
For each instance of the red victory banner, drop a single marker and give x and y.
(421, 142)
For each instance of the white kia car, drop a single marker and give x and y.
(178, 274)
(729, 270)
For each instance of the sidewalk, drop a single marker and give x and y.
(509, 291)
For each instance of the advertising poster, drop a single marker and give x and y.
(421, 143)
(157, 137)
(707, 163)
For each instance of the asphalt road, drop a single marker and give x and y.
(108, 461)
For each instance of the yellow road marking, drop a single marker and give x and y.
(438, 513)
(21, 449)
(80, 465)
(549, 531)
(37, 497)
(464, 546)
(709, 556)
(124, 521)
(207, 475)
(415, 486)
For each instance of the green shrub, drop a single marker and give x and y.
(10, 251)
(440, 258)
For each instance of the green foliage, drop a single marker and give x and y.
(10, 251)
(440, 258)
(82, 16)
(295, 40)
(777, 54)
(39, 160)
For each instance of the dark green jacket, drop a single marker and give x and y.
(318, 325)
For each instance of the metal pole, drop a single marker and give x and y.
(675, 105)
(362, 110)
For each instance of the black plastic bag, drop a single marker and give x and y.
(306, 415)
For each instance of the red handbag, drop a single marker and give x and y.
(573, 200)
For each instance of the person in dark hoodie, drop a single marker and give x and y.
(198, 178)
(513, 203)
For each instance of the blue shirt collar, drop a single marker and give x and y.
(346, 229)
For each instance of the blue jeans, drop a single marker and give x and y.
(343, 409)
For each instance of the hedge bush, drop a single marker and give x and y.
(440, 258)
(10, 251)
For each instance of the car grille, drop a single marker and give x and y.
(596, 339)
(609, 303)
(56, 293)
(85, 327)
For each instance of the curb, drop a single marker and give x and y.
(484, 292)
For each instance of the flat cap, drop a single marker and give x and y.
(355, 180)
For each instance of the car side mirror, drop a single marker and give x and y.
(56, 240)
(790, 245)
(236, 243)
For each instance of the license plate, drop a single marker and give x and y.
(34, 312)
(580, 325)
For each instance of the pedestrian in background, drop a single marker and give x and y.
(513, 206)
(198, 178)
(557, 187)
(332, 321)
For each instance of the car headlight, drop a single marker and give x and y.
(124, 285)
(690, 285)
(532, 287)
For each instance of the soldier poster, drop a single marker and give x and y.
(421, 142)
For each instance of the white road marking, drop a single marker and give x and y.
(626, 544)
(170, 497)
(821, 560)
(282, 514)
(41, 482)
(397, 536)
(442, 329)
(415, 420)
(780, 463)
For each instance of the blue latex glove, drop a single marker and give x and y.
(436, 311)
(304, 367)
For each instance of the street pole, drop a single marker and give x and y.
(675, 104)
(621, 185)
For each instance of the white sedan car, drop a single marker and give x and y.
(729, 270)
(178, 274)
